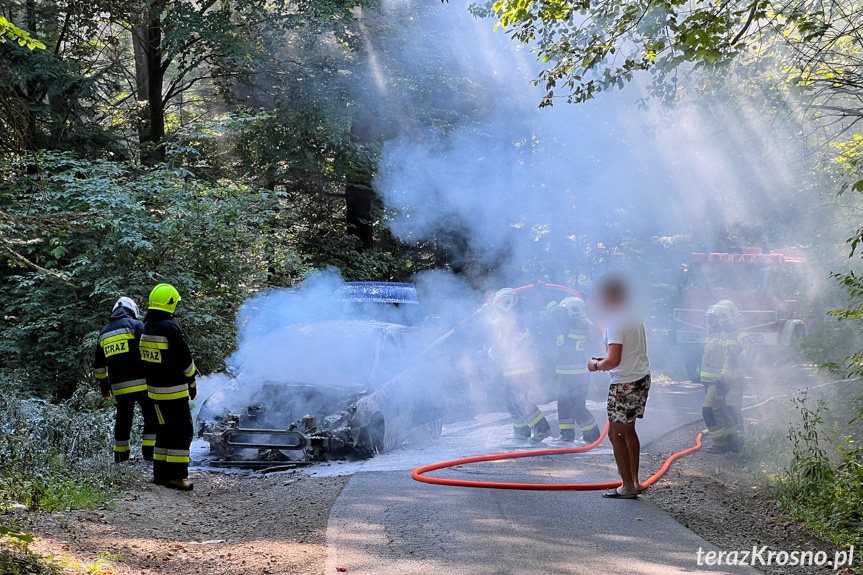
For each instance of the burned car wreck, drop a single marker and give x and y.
(329, 389)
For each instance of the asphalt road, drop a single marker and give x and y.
(386, 523)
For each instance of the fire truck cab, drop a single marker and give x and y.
(766, 287)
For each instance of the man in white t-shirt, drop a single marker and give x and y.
(626, 361)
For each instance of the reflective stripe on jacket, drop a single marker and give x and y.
(117, 364)
(736, 346)
(514, 355)
(713, 358)
(168, 365)
(571, 356)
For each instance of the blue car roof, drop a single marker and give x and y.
(377, 292)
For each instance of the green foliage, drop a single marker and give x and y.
(823, 488)
(589, 47)
(71, 96)
(849, 317)
(834, 345)
(20, 536)
(9, 31)
(16, 558)
(108, 229)
(56, 456)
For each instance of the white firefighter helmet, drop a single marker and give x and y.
(732, 307)
(575, 306)
(127, 303)
(721, 313)
(504, 300)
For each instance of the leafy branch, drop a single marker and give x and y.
(9, 31)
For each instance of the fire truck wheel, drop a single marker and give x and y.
(798, 333)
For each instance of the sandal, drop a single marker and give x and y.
(615, 494)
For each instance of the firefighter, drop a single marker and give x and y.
(170, 372)
(737, 350)
(570, 317)
(119, 371)
(513, 351)
(723, 434)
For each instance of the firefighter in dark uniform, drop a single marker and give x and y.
(118, 369)
(513, 351)
(170, 372)
(570, 317)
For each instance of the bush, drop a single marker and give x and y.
(57, 456)
(101, 230)
(824, 487)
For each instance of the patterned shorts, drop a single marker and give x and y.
(626, 401)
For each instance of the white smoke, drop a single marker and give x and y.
(573, 184)
(559, 195)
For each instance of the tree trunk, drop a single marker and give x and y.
(32, 89)
(359, 215)
(149, 79)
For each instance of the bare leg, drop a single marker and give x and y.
(620, 433)
(633, 445)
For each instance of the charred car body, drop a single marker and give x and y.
(329, 389)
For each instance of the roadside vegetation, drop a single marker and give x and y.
(53, 457)
(804, 452)
(823, 484)
(56, 456)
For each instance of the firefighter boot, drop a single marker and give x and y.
(567, 431)
(148, 446)
(121, 450)
(563, 441)
(734, 443)
(520, 435)
(541, 430)
(179, 484)
(520, 431)
(718, 437)
(590, 433)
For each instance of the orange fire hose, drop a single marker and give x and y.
(418, 473)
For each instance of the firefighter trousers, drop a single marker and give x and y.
(525, 415)
(734, 406)
(173, 439)
(125, 419)
(572, 409)
(719, 424)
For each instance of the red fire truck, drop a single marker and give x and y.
(766, 287)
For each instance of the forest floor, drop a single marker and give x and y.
(230, 524)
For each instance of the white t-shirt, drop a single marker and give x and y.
(633, 358)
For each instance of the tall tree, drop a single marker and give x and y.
(55, 98)
(178, 44)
